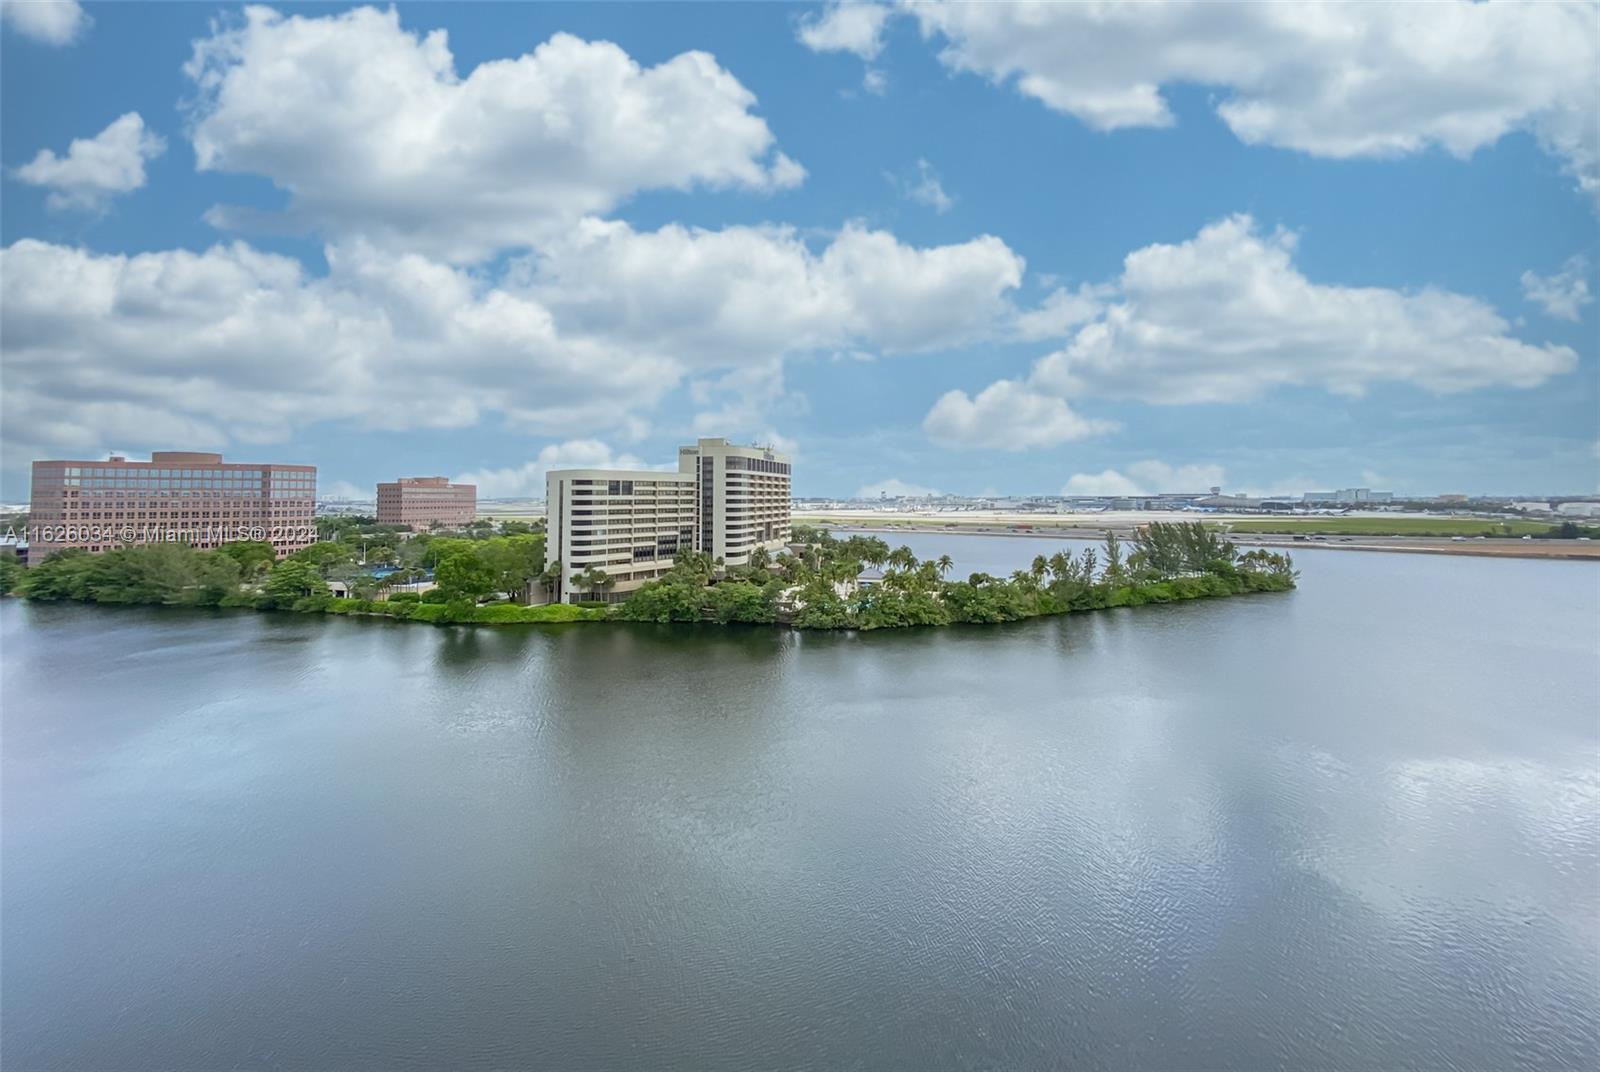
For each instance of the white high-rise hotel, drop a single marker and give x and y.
(725, 500)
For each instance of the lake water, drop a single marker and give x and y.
(1350, 827)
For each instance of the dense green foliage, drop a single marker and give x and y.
(818, 587)
(1570, 530)
(468, 569)
(159, 573)
(11, 572)
(696, 589)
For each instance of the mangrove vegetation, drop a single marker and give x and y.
(818, 582)
(823, 582)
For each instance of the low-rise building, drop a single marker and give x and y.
(1348, 496)
(420, 502)
(176, 497)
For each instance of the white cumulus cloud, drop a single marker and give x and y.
(1562, 294)
(403, 150)
(94, 170)
(1149, 477)
(1060, 312)
(846, 27)
(344, 489)
(1105, 482)
(1331, 79)
(732, 294)
(1227, 317)
(894, 488)
(50, 22)
(527, 480)
(924, 188)
(585, 338)
(1007, 415)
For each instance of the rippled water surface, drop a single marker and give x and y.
(1352, 827)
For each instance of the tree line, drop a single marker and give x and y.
(814, 585)
(467, 568)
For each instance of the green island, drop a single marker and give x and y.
(818, 582)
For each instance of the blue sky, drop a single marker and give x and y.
(972, 249)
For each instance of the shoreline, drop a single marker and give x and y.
(1159, 593)
(1490, 547)
(824, 585)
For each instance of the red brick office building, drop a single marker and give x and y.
(423, 501)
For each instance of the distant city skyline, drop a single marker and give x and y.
(947, 249)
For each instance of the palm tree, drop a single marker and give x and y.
(1060, 566)
(591, 579)
(945, 564)
(759, 558)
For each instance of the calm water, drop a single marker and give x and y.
(1353, 827)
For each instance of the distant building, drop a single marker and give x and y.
(725, 500)
(175, 497)
(421, 502)
(1229, 502)
(1579, 509)
(1348, 496)
(1531, 507)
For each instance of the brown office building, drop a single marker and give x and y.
(175, 497)
(424, 501)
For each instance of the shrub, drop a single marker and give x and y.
(549, 612)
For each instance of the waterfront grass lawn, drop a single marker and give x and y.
(1389, 526)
